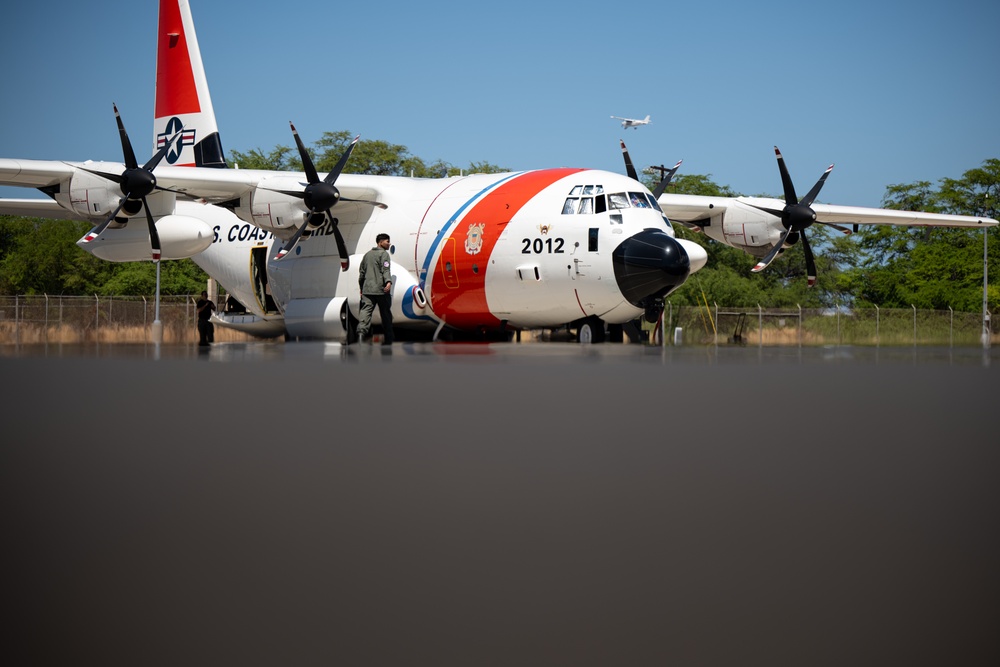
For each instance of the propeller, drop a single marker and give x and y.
(796, 217)
(135, 183)
(319, 197)
(665, 176)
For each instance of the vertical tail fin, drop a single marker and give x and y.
(182, 98)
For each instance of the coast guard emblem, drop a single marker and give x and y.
(474, 241)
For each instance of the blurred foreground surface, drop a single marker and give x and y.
(497, 504)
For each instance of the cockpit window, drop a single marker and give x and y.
(632, 200)
(618, 200)
(638, 200)
(585, 199)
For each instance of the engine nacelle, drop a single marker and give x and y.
(747, 228)
(273, 211)
(90, 195)
(180, 237)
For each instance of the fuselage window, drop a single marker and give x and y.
(600, 204)
(586, 205)
(592, 239)
(569, 207)
(655, 204)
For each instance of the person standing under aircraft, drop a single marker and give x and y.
(376, 282)
(206, 330)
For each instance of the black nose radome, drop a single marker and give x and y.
(648, 265)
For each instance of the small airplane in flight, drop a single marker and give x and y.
(479, 254)
(633, 123)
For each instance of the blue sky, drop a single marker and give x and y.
(891, 92)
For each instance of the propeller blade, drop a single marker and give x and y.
(130, 161)
(307, 163)
(810, 263)
(666, 176)
(809, 198)
(345, 260)
(762, 264)
(629, 169)
(154, 236)
(376, 204)
(335, 174)
(839, 228)
(159, 155)
(100, 227)
(786, 181)
(290, 243)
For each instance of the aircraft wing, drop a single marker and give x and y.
(37, 208)
(845, 215)
(34, 173)
(691, 208)
(885, 216)
(198, 183)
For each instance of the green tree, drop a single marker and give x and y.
(279, 159)
(930, 267)
(41, 257)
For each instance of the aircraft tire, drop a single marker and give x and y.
(591, 330)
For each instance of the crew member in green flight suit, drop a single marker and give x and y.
(376, 285)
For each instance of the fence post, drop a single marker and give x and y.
(97, 319)
(46, 318)
(951, 328)
(17, 320)
(837, 304)
(914, 324)
(760, 327)
(715, 325)
(877, 321)
(800, 324)
(671, 327)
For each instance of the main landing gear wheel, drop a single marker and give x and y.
(591, 330)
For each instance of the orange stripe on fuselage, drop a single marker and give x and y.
(175, 90)
(458, 288)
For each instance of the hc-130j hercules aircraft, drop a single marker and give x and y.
(480, 254)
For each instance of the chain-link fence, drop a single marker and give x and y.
(834, 326)
(124, 319)
(101, 319)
